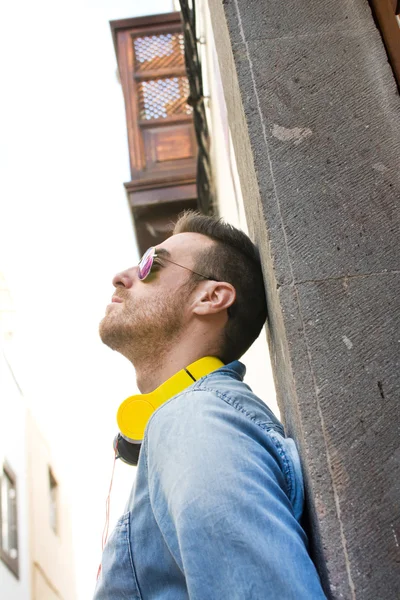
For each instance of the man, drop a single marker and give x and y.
(215, 509)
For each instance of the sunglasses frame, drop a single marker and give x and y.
(154, 255)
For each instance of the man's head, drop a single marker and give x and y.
(205, 287)
(232, 257)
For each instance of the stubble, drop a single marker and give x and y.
(141, 329)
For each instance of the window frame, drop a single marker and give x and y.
(53, 502)
(124, 32)
(11, 563)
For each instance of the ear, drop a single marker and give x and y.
(213, 297)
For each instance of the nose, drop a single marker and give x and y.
(125, 278)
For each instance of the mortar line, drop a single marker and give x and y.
(345, 277)
(322, 421)
(329, 30)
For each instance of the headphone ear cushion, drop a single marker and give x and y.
(133, 416)
(128, 452)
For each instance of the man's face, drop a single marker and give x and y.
(147, 315)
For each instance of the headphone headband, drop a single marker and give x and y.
(134, 412)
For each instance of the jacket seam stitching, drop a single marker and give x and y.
(265, 425)
(287, 468)
(134, 575)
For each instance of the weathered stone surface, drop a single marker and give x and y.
(319, 144)
(351, 328)
(315, 120)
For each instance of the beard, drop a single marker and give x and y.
(139, 328)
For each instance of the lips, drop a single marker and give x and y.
(116, 299)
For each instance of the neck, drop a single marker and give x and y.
(153, 371)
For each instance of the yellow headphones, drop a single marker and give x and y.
(134, 412)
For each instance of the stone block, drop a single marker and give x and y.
(266, 19)
(319, 143)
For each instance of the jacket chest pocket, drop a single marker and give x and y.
(117, 578)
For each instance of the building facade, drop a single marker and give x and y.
(15, 565)
(36, 550)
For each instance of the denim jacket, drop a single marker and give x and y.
(215, 508)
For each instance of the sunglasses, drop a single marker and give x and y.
(147, 260)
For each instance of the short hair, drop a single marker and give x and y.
(234, 259)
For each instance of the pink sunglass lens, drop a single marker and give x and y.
(145, 264)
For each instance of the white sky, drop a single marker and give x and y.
(65, 230)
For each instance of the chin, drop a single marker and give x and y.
(115, 333)
(107, 331)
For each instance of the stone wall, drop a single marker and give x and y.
(315, 121)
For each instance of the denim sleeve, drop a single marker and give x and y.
(220, 499)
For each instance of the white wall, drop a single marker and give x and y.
(228, 190)
(51, 551)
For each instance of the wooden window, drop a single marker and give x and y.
(8, 520)
(53, 501)
(162, 146)
(387, 15)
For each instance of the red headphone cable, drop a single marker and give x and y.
(106, 525)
